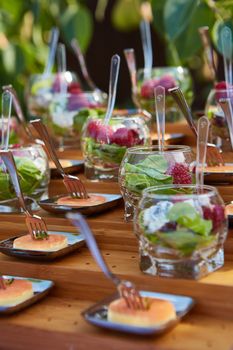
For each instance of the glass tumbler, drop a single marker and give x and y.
(181, 230)
(41, 88)
(144, 167)
(219, 133)
(168, 77)
(34, 175)
(104, 146)
(67, 113)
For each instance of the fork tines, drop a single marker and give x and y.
(131, 295)
(36, 227)
(75, 187)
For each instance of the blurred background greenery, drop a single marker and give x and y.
(104, 27)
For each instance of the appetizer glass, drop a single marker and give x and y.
(15, 136)
(181, 230)
(67, 114)
(144, 167)
(104, 146)
(33, 171)
(41, 88)
(168, 77)
(219, 133)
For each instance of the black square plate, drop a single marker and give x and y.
(75, 241)
(40, 289)
(97, 314)
(111, 200)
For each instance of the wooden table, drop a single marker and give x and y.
(56, 323)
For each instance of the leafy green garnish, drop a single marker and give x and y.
(59, 130)
(107, 153)
(156, 161)
(30, 178)
(149, 172)
(186, 215)
(184, 241)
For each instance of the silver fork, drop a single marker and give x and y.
(78, 53)
(73, 184)
(126, 289)
(19, 113)
(131, 63)
(214, 157)
(35, 224)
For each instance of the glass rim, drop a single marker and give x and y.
(162, 68)
(211, 191)
(80, 94)
(52, 74)
(155, 148)
(26, 148)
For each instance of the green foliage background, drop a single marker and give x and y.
(24, 34)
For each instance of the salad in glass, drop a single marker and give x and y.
(33, 171)
(104, 146)
(219, 133)
(181, 230)
(68, 113)
(143, 167)
(168, 77)
(41, 88)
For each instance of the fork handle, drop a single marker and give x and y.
(9, 162)
(19, 113)
(44, 135)
(114, 73)
(160, 114)
(81, 223)
(202, 137)
(131, 63)
(178, 96)
(78, 53)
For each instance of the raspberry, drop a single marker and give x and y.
(222, 85)
(167, 81)
(180, 173)
(125, 137)
(104, 133)
(74, 88)
(207, 213)
(147, 89)
(93, 128)
(216, 214)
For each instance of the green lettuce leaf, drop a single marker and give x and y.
(30, 178)
(149, 172)
(156, 161)
(184, 241)
(186, 215)
(108, 153)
